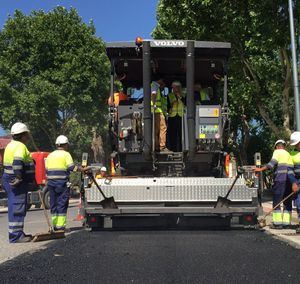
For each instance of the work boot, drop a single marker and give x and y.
(164, 150)
(275, 227)
(25, 239)
(286, 227)
(61, 229)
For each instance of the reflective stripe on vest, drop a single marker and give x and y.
(158, 101)
(282, 159)
(18, 161)
(295, 155)
(59, 164)
(177, 106)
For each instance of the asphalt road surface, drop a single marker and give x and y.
(34, 223)
(157, 257)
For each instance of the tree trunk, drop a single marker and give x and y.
(97, 147)
(262, 110)
(286, 91)
(245, 140)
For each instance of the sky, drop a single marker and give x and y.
(114, 20)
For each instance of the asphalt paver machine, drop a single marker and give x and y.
(173, 189)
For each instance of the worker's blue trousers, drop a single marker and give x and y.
(17, 207)
(281, 189)
(297, 204)
(59, 202)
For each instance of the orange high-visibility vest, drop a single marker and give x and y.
(118, 97)
(227, 162)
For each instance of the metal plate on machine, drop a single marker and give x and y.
(171, 190)
(209, 111)
(208, 122)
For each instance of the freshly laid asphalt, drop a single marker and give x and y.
(158, 257)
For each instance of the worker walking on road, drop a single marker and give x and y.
(59, 165)
(295, 155)
(18, 173)
(282, 163)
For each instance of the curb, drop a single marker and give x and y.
(293, 240)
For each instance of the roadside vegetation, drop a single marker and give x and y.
(260, 86)
(54, 77)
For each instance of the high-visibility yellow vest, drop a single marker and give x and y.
(59, 164)
(17, 160)
(158, 102)
(295, 155)
(203, 96)
(282, 160)
(177, 106)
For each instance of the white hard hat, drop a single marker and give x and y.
(18, 128)
(103, 169)
(280, 141)
(295, 138)
(61, 139)
(176, 84)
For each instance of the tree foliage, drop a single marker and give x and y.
(260, 89)
(53, 76)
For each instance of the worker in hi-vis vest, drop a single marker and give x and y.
(102, 173)
(176, 101)
(282, 163)
(158, 107)
(19, 171)
(200, 95)
(295, 155)
(59, 165)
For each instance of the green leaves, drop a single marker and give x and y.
(53, 75)
(259, 67)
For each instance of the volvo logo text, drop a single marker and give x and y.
(171, 43)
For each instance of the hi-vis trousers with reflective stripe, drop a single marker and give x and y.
(281, 189)
(59, 202)
(17, 206)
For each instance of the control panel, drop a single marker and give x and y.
(208, 122)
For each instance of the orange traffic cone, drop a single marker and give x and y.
(112, 167)
(79, 216)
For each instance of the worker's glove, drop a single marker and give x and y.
(295, 187)
(16, 182)
(86, 170)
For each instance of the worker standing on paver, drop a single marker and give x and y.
(157, 106)
(18, 173)
(295, 154)
(59, 165)
(102, 174)
(200, 95)
(282, 161)
(176, 112)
